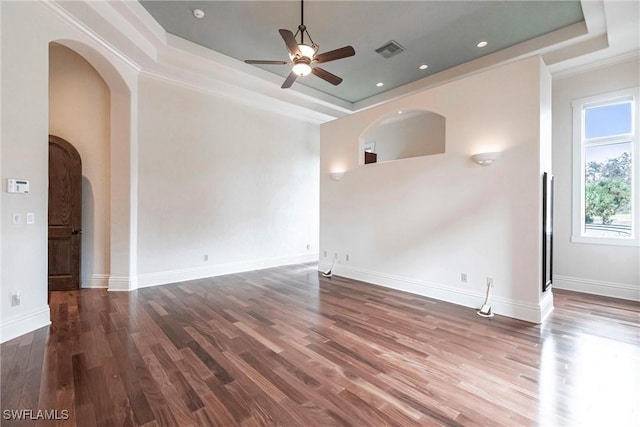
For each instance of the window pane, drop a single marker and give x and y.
(608, 120)
(608, 190)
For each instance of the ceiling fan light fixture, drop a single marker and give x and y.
(301, 68)
(306, 51)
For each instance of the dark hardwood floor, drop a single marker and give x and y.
(286, 347)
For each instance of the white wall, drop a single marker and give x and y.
(417, 224)
(24, 135)
(79, 110)
(221, 179)
(602, 269)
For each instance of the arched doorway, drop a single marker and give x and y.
(64, 215)
(79, 112)
(119, 222)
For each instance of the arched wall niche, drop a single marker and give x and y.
(403, 134)
(121, 80)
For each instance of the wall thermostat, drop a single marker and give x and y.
(17, 185)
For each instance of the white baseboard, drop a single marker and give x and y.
(182, 275)
(596, 287)
(546, 305)
(122, 283)
(24, 324)
(95, 281)
(504, 306)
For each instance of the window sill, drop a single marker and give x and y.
(611, 241)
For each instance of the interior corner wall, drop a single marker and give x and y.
(223, 187)
(79, 111)
(418, 224)
(594, 268)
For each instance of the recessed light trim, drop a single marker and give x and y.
(379, 84)
(198, 13)
(423, 67)
(482, 44)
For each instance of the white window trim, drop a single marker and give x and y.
(578, 184)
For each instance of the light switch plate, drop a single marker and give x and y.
(16, 218)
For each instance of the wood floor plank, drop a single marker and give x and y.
(288, 347)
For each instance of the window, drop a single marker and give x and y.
(606, 170)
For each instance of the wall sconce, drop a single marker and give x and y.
(336, 176)
(485, 159)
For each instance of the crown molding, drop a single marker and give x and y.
(596, 65)
(242, 96)
(71, 19)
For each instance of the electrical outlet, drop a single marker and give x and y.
(347, 257)
(15, 299)
(205, 257)
(463, 277)
(490, 282)
(308, 246)
(325, 254)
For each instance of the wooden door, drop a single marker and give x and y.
(65, 212)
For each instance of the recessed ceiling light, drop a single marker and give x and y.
(482, 44)
(400, 112)
(424, 67)
(198, 13)
(379, 84)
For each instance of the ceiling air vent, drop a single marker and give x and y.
(389, 49)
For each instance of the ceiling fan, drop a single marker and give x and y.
(304, 57)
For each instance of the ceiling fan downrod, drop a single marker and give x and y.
(302, 29)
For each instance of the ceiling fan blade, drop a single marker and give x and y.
(259, 61)
(325, 75)
(290, 41)
(332, 55)
(289, 80)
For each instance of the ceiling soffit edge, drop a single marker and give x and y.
(157, 62)
(183, 52)
(539, 46)
(171, 52)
